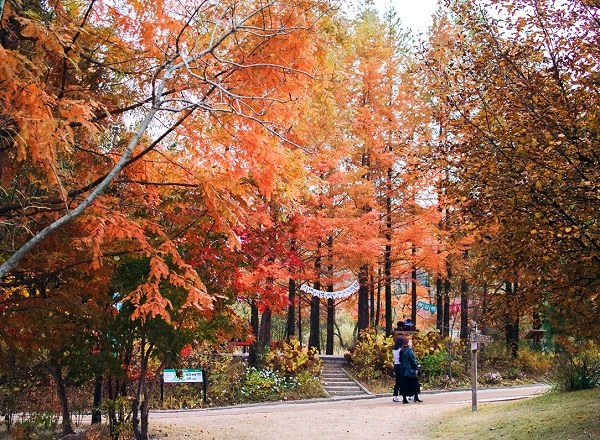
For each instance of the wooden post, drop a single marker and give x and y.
(204, 381)
(474, 347)
(476, 340)
(162, 387)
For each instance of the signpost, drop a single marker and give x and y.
(190, 375)
(186, 376)
(477, 339)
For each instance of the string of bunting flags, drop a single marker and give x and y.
(352, 288)
(426, 306)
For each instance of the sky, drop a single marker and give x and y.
(414, 14)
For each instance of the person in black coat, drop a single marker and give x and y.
(410, 369)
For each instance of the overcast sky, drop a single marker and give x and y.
(414, 14)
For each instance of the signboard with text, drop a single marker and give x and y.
(189, 375)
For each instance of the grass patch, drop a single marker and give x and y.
(551, 416)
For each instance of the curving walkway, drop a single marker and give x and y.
(366, 418)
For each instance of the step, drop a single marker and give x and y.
(346, 392)
(330, 374)
(337, 382)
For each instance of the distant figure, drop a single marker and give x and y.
(398, 369)
(398, 330)
(408, 324)
(409, 384)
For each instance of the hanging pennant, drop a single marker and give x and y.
(426, 306)
(352, 288)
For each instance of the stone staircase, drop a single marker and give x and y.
(336, 381)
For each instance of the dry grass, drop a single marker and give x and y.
(565, 416)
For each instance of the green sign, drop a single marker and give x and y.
(190, 375)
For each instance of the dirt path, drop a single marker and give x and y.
(362, 419)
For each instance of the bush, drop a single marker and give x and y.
(435, 364)
(289, 372)
(577, 372)
(371, 357)
(430, 344)
(534, 362)
(224, 374)
(40, 426)
(491, 378)
(289, 358)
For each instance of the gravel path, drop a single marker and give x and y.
(370, 418)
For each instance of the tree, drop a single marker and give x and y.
(523, 151)
(191, 80)
(211, 91)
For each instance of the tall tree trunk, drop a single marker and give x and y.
(291, 314)
(484, 306)
(413, 282)
(439, 296)
(464, 309)
(135, 418)
(61, 390)
(330, 301)
(371, 299)
(512, 320)
(144, 420)
(148, 389)
(300, 318)
(338, 333)
(378, 299)
(314, 336)
(253, 349)
(330, 323)
(96, 410)
(447, 288)
(464, 304)
(264, 335)
(136, 405)
(363, 299)
(387, 262)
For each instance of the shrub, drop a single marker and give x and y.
(265, 384)
(287, 357)
(430, 344)
(371, 357)
(40, 426)
(224, 374)
(435, 364)
(183, 396)
(533, 361)
(577, 372)
(491, 378)
(310, 385)
(288, 371)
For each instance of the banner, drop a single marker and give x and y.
(426, 306)
(352, 288)
(189, 375)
